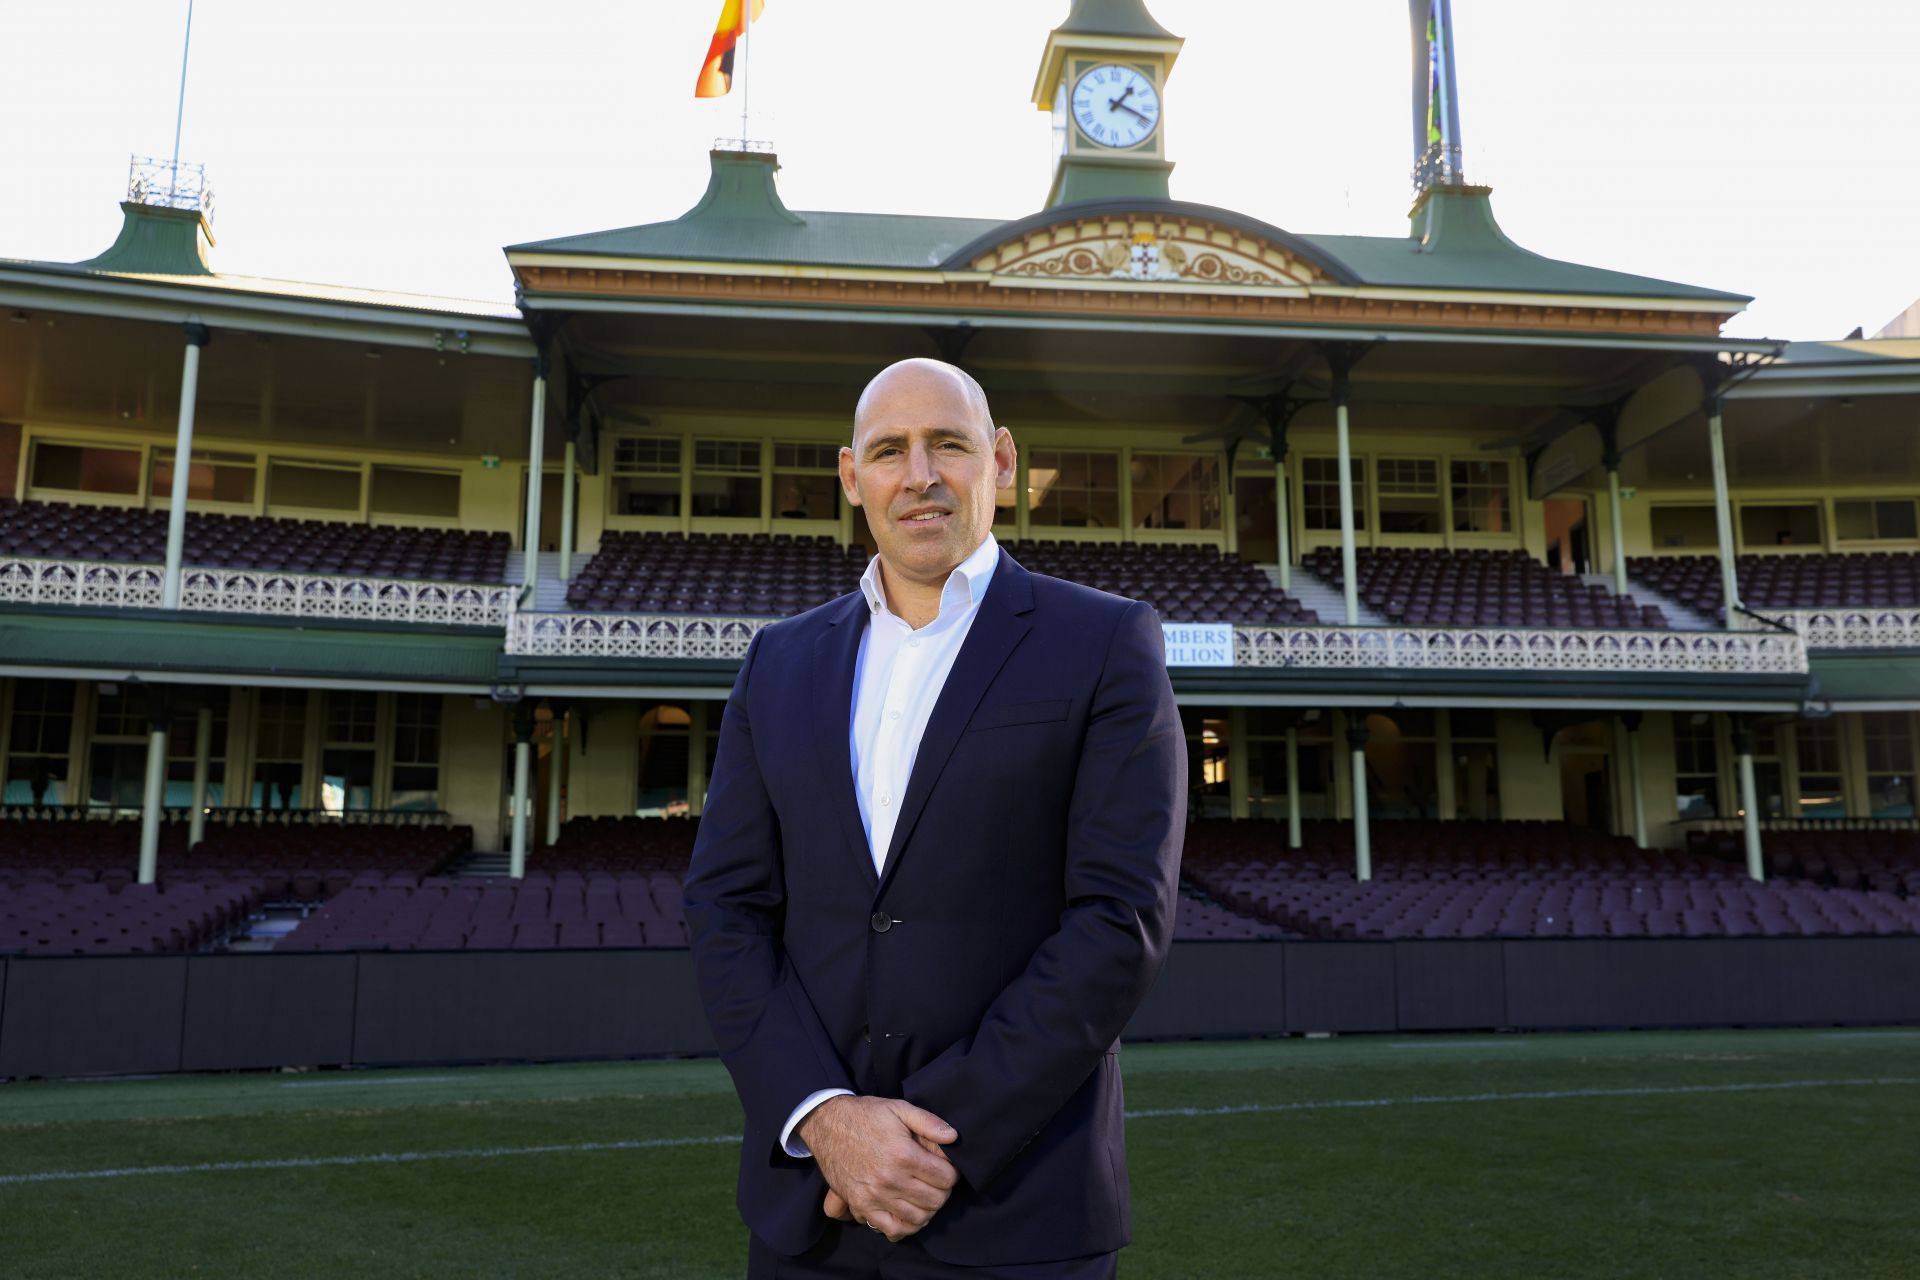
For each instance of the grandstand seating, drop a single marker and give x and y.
(739, 573)
(43, 916)
(1514, 879)
(1860, 580)
(1420, 586)
(294, 856)
(1874, 860)
(1185, 582)
(757, 575)
(59, 530)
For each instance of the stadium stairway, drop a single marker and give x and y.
(483, 866)
(1679, 616)
(1315, 594)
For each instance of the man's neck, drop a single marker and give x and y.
(914, 603)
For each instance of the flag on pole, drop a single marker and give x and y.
(716, 73)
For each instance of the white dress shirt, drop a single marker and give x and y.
(897, 678)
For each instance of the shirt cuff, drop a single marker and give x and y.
(792, 1144)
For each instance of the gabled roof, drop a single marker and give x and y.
(1456, 244)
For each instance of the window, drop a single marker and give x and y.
(806, 481)
(1696, 766)
(416, 752)
(646, 476)
(1888, 738)
(211, 477)
(410, 491)
(313, 486)
(1874, 520)
(1817, 744)
(1481, 497)
(279, 749)
(1476, 765)
(1208, 788)
(666, 735)
(1073, 489)
(1176, 491)
(117, 750)
(38, 740)
(1779, 525)
(726, 478)
(1267, 763)
(1684, 526)
(1409, 494)
(347, 750)
(85, 468)
(182, 741)
(1320, 493)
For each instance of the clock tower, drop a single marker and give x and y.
(1103, 76)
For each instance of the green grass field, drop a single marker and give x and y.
(1748, 1154)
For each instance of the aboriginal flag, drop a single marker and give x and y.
(716, 73)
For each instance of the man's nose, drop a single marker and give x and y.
(921, 474)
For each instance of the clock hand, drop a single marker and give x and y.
(1130, 111)
(1115, 104)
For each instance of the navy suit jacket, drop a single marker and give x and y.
(1025, 908)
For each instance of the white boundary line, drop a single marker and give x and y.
(727, 1139)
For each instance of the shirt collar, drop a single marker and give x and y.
(966, 585)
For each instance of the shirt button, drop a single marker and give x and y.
(893, 715)
(913, 644)
(885, 799)
(881, 922)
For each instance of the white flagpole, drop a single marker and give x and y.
(746, 29)
(180, 108)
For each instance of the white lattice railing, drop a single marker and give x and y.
(604, 635)
(25, 580)
(1520, 649)
(631, 635)
(1866, 627)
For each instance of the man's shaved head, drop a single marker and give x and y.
(925, 464)
(922, 369)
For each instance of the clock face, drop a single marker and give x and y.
(1115, 106)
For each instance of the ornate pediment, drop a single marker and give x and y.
(1149, 249)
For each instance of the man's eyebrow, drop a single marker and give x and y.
(899, 438)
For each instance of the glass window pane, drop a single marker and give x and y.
(1073, 489)
(293, 484)
(1783, 525)
(665, 737)
(1684, 526)
(726, 495)
(1176, 491)
(1320, 493)
(1409, 494)
(1895, 519)
(85, 468)
(211, 477)
(651, 455)
(1482, 496)
(406, 491)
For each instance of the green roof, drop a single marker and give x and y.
(1456, 243)
(126, 640)
(1112, 18)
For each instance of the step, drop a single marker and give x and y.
(1323, 598)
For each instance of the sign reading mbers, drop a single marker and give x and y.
(1198, 644)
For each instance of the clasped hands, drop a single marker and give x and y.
(883, 1162)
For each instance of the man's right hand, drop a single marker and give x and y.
(882, 1160)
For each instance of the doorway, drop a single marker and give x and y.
(1256, 519)
(1569, 541)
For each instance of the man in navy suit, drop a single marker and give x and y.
(934, 879)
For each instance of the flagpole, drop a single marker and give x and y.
(746, 32)
(180, 107)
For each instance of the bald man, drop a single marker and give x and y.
(934, 878)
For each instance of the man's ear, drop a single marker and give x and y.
(1006, 460)
(847, 485)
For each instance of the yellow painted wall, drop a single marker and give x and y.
(1529, 782)
(603, 775)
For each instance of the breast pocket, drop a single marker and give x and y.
(1011, 713)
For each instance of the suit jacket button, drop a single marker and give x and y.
(866, 1035)
(881, 922)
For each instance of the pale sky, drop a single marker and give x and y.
(1760, 146)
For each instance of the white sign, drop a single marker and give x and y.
(1198, 644)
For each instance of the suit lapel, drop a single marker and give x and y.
(997, 628)
(836, 652)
